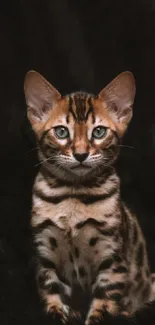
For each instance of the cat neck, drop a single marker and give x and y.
(60, 177)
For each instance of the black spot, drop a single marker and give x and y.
(54, 288)
(99, 293)
(82, 271)
(114, 286)
(90, 221)
(93, 241)
(117, 257)
(47, 263)
(104, 280)
(115, 296)
(106, 264)
(108, 232)
(107, 215)
(71, 257)
(135, 234)
(44, 225)
(53, 242)
(120, 269)
(76, 252)
(140, 255)
(37, 244)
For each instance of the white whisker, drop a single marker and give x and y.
(41, 162)
(124, 146)
(36, 148)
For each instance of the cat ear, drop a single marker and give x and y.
(119, 98)
(40, 97)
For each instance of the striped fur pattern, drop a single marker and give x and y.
(85, 237)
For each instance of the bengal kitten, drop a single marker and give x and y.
(84, 235)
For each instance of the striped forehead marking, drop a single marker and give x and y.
(80, 106)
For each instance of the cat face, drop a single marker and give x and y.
(79, 133)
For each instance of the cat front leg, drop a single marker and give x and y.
(108, 290)
(54, 293)
(53, 285)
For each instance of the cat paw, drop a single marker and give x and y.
(59, 313)
(102, 315)
(100, 310)
(95, 318)
(63, 314)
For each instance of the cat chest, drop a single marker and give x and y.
(78, 233)
(68, 213)
(78, 221)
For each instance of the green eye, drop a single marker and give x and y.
(61, 132)
(99, 132)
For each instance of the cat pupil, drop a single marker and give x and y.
(62, 131)
(98, 131)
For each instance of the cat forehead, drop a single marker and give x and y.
(81, 107)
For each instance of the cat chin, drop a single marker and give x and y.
(76, 173)
(81, 171)
(73, 175)
(81, 174)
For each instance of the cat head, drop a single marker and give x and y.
(79, 134)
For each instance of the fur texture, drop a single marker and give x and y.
(85, 237)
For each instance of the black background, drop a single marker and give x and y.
(76, 45)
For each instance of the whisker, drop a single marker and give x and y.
(40, 163)
(124, 146)
(31, 150)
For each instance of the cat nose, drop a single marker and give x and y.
(81, 156)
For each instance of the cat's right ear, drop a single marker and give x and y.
(40, 97)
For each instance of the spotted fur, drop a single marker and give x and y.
(85, 237)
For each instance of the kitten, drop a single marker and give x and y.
(84, 234)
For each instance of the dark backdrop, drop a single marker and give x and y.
(75, 45)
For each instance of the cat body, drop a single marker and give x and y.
(85, 237)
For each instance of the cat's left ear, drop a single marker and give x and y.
(119, 98)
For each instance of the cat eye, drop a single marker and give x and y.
(99, 132)
(61, 132)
